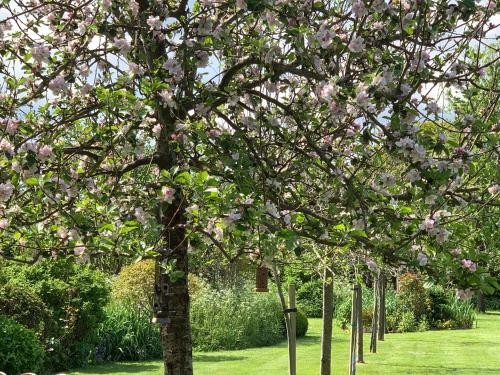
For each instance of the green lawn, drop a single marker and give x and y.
(467, 352)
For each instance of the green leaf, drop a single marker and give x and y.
(359, 233)
(183, 178)
(32, 181)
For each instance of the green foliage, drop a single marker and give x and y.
(407, 322)
(234, 318)
(20, 350)
(75, 296)
(24, 306)
(127, 334)
(440, 310)
(463, 313)
(310, 298)
(134, 284)
(412, 297)
(302, 324)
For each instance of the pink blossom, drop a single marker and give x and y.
(469, 264)
(44, 153)
(494, 189)
(57, 85)
(167, 194)
(6, 190)
(422, 259)
(40, 53)
(4, 223)
(168, 98)
(123, 45)
(6, 147)
(357, 44)
(154, 22)
(359, 9)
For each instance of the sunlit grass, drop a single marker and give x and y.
(466, 352)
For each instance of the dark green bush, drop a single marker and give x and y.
(127, 334)
(440, 310)
(310, 298)
(75, 296)
(302, 324)
(25, 307)
(20, 350)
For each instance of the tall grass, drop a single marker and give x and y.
(463, 313)
(235, 318)
(127, 334)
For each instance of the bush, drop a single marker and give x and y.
(25, 307)
(302, 324)
(412, 297)
(234, 319)
(440, 310)
(127, 334)
(407, 322)
(310, 298)
(135, 284)
(75, 296)
(20, 350)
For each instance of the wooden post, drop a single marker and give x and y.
(354, 320)
(360, 324)
(373, 341)
(292, 348)
(381, 313)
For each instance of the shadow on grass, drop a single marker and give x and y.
(417, 370)
(121, 368)
(217, 358)
(492, 313)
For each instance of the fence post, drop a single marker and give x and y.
(292, 348)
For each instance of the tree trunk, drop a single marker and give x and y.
(381, 313)
(359, 310)
(172, 298)
(326, 334)
(373, 341)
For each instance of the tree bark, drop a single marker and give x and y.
(326, 334)
(172, 298)
(359, 310)
(373, 341)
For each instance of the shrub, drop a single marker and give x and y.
(310, 298)
(440, 310)
(234, 319)
(407, 322)
(302, 324)
(25, 307)
(75, 295)
(412, 297)
(127, 334)
(20, 350)
(135, 283)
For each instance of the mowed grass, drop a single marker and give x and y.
(466, 352)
